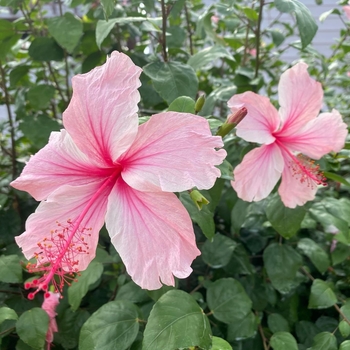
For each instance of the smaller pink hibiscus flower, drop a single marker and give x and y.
(289, 138)
(346, 9)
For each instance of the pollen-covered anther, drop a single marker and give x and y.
(306, 171)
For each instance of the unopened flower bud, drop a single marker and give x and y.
(237, 117)
(199, 104)
(198, 199)
(232, 121)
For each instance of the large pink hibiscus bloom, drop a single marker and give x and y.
(103, 167)
(289, 138)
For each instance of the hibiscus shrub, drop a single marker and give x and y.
(193, 183)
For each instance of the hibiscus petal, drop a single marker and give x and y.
(258, 173)
(59, 163)
(260, 122)
(320, 136)
(294, 192)
(101, 117)
(300, 98)
(153, 234)
(61, 210)
(173, 152)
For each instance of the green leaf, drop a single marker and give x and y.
(283, 341)
(282, 263)
(103, 28)
(176, 321)
(39, 96)
(17, 74)
(324, 15)
(344, 328)
(208, 57)
(218, 252)
(250, 13)
(32, 327)
(284, 220)
(228, 301)
(108, 7)
(69, 324)
(324, 341)
(277, 323)
(132, 292)
(305, 21)
(220, 344)
(340, 253)
(10, 269)
(38, 129)
(172, 79)
(336, 177)
(316, 254)
(204, 218)
(6, 29)
(45, 49)
(345, 345)
(7, 314)
(242, 329)
(322, 296)
(277, 37)
(113, 326)
(182, 104)
(71, 25)
(78, 289)
(7, 44)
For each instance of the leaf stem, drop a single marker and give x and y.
(189, 30)
(257, 35)
(11, 122)
(163, 41)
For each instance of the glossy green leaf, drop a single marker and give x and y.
(322, 295)
(7, 314)
(132, 292)
(243, 329)
(88, 277)
(283, 341)
(324, 341)
(218, 252)
(282, 263)
(176, 321)
(345, 345)
(45, 49)
(208, 57)
(316, 254)
(182, 104)
(172, 79)
(220, 344)
(71, 25)
(305, 21)
(344, 328)
(277, 323)
(336, 178)
(113, 326)
(228, 301)
(284, 220)
(32, 327)
(10, 269)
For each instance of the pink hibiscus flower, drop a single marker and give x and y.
(346, 9)
(51, 300)
(103, 167)
(288, 137)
